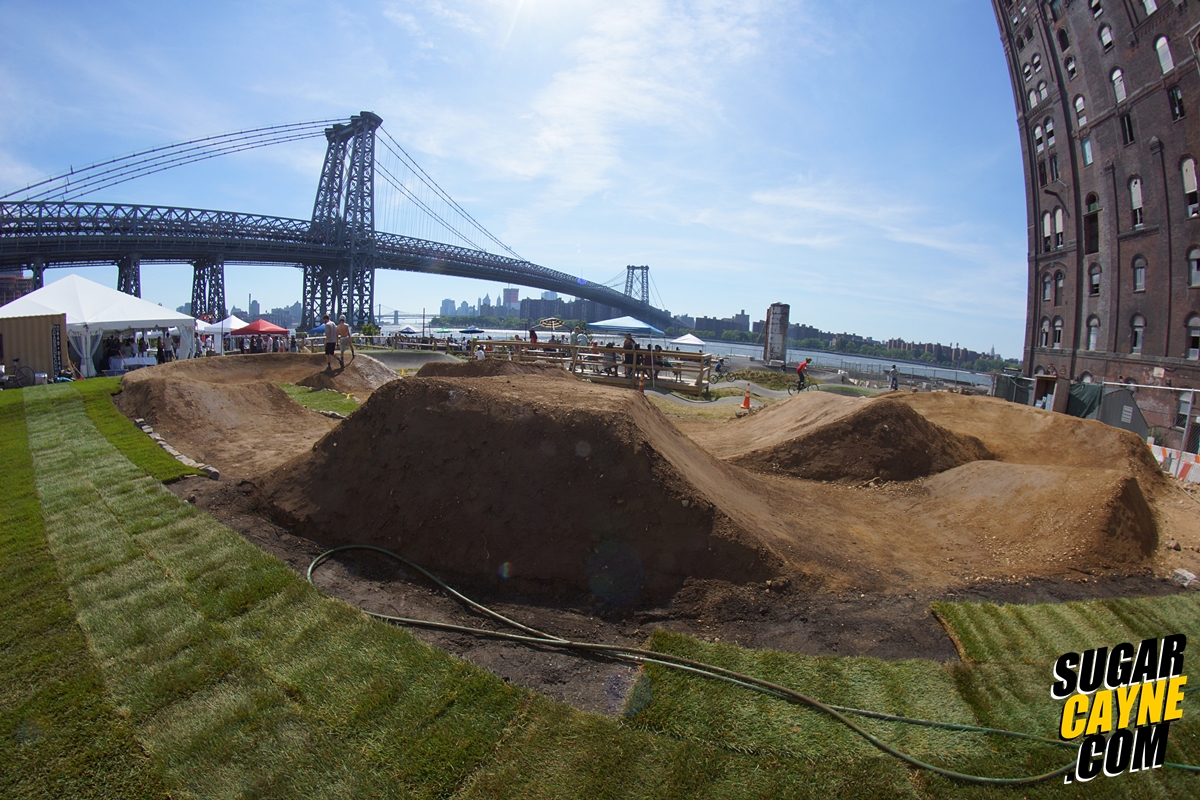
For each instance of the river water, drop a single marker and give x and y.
(821, 358)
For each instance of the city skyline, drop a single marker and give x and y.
(749, 153)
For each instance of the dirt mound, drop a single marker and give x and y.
(542, 483)
(1025, 435)
(361, 375)
(879, 439)
(489, 368)
(776, 423)
(244, 429)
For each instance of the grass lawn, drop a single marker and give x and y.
(321, 399)
(153, 652)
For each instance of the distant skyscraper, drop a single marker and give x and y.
(254, 311)
(1103, 91)
(447, 308)
(463, 309)
(512, 298)
(549, 295)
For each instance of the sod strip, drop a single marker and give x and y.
(188, 621)
(59, 736)
(97, 396)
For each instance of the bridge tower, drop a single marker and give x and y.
(637, 283)
(129, 275)
(208, 288)
(344, 218)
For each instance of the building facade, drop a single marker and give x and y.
(1108, 107)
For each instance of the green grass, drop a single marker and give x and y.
(154, 651)
(59, 734)
(97, 394)
(321, 399)
(767, 378)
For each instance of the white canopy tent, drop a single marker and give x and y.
(93, 310)
(219, 330)
(689, 340)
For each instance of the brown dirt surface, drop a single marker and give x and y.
(228, 411)
(546, 484)
(876, 439)
(490, 368)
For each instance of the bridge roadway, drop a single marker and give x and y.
(53, 234)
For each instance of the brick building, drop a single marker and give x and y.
(1108, 107)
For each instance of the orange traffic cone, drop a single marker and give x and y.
(641, 383)
(746, 401)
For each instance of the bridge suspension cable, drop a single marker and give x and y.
(79, 183)
(452, 209)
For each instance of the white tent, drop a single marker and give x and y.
(219, 330)
(93, 310)
(689, 340)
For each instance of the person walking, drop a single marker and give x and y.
(344, 340)
(330, 343)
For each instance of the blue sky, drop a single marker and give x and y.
(859, 161)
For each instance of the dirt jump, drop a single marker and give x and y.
(531, 482)
(230, 412)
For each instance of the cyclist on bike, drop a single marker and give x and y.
(801, 374)
(719, 367)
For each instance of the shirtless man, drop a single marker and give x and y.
(343, 338)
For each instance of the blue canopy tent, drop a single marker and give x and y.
(625, 325)
(317, 331)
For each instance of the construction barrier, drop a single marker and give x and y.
(1176, 463)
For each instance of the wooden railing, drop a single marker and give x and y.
(672, 370)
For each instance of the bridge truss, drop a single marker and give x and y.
(338, 250)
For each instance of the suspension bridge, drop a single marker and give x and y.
(339, 250)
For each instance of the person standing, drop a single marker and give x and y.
(344, 341)
(894, 379)
(330, 342)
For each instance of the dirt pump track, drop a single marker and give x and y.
(532, 484)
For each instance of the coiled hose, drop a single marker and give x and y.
(635, 655)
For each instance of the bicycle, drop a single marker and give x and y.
(21, 377)
(802, 384)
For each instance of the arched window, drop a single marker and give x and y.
(1080, 110)
(1036, 60)
(1045, 340)
(1164, 54)
(1039, 370)
(1047, 287)
(1135, 201)
(1193, 336)
(1020, 43)
(1193, 258)
(1093, 336)
(1150, 5)
(1094, 273)
(1047, 232)
(1058, 228)
(1069, 64)
(1097, 8)
(1043, 90)
(1139, 274)
(1058, 331)
(1086, 377)
(1175, 98)
(1033, 99)
(1106, 37)
(1039, 141)
(1059, 282)
(1063, 41)
(1085, 147)
(1049, 132)
(1118, 82)
(1191, 198)
(1091, 224)
(1137, 333)
(1027, 70)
